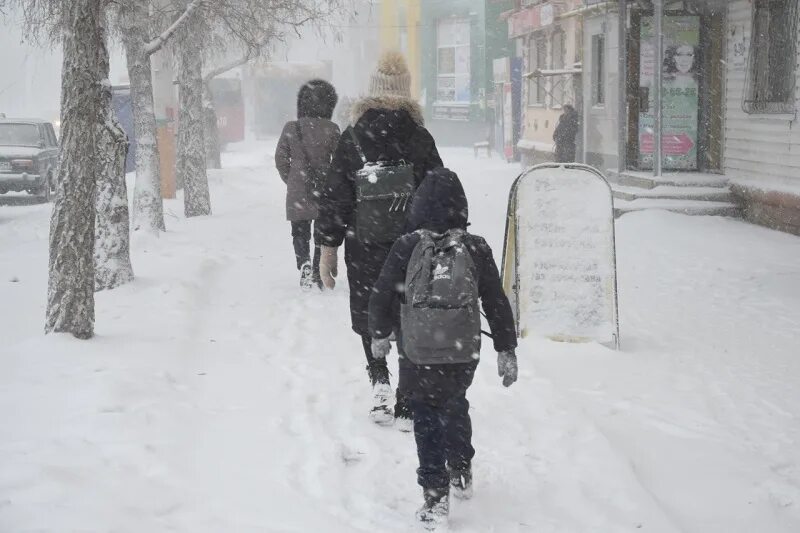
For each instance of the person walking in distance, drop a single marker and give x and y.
(382, 157)
(441, 274)
(565, 133)
(303, 156)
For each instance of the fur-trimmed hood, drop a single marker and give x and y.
(392, 103)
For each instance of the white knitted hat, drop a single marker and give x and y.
(392, 77)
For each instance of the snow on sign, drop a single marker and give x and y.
(559, 260)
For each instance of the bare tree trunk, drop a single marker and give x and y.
(211, 134)
(85, 104)
(112, 256)
(191, 164)
(148, 209)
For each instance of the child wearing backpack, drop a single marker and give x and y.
(303, 156)
(439, 272)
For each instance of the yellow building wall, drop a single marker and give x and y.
(398, 19)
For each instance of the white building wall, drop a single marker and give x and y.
(601, 121)
(761, 151)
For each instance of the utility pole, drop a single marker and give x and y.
(622, 112)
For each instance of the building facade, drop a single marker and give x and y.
(728, 96)
(400, 28)
(762, 135)
(460, 39)
(548, 39)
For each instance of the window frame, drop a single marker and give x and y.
(455, 76)
(758, 98)
(537, 94)
(598, 70)
(560, 36)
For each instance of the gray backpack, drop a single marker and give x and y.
(440, 319)
(383, 195)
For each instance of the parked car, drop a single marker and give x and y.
(28, 157)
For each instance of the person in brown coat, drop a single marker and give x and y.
(303, 156)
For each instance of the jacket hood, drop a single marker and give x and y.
(390, 103)
(316, 99)
(439, 203)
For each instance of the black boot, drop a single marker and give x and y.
(381, 412)
(436, 508)
(403, 417)
(461, 482)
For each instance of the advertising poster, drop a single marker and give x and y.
(680, 93)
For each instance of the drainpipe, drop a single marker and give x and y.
(622, 112)
(658, 5)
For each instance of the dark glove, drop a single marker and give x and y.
(507, 367)
(381, 348)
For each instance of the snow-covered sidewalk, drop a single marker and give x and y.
(217, 397)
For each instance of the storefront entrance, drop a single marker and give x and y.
(692, 87)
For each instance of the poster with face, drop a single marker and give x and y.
(680, 93)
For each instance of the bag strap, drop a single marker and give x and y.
(358, 146)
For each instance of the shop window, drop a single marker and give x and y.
(598, 70)
(537, 54)
(453, 61)
(558, 61)
(773, 57)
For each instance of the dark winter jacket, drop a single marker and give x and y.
(316, 101)
(440, 205)
(565, 134)
(388, 129)
(320, 137)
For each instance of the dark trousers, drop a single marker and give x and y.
(301, 238)
(443, 432)
(378, 371)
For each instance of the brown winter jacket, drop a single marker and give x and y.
(320, 137)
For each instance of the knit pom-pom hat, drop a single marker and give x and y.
(392, 77)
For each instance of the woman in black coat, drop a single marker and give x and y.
(304, 150)
(389, 127)
(565, 133)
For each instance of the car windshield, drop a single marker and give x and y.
(19, 135)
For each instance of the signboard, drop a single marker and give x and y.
(501, 70)
(530, 19)
(547, 15)
(559, 262)
(446, 112)
(508, 123)
(680, 92)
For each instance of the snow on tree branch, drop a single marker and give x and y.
(156, 44)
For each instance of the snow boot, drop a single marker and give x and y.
(433, 514)
(461, 482)
(306, 277)
(404, 424)
(381, 413)
(403, 418)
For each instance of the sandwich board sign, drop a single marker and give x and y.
(559, 259)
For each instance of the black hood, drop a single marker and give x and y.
(439, 203)
(316, 99)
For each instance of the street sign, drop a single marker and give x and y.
(559, 260)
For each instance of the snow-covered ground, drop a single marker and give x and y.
(218, 398)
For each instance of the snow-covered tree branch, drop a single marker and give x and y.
(156, 44)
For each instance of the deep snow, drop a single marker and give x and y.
(217, 397)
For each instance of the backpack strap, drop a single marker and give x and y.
(358, 146)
